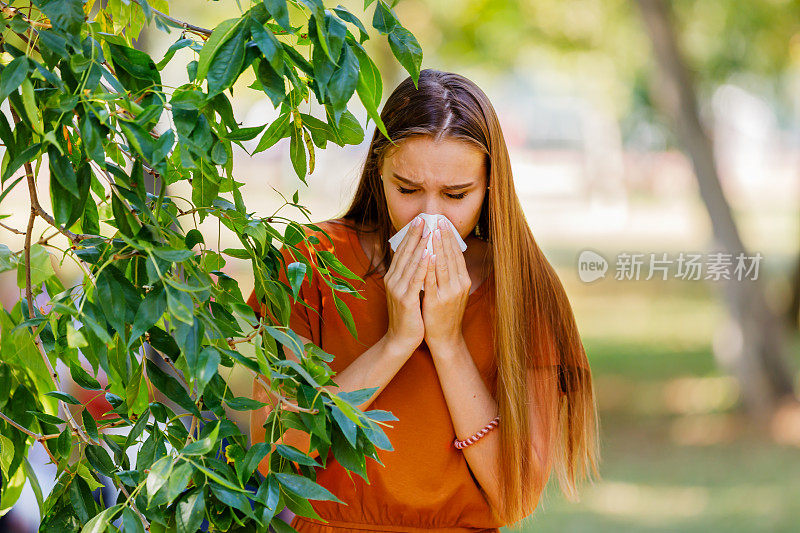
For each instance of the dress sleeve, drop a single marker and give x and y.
(303, 320)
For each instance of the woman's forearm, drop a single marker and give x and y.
(374, 368)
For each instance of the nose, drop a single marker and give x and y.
(432, 205)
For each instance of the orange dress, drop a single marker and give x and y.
(426, 483)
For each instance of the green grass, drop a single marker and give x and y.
(677, 452)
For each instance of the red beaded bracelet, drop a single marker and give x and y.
(461, 444)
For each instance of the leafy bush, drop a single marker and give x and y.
(153, 315)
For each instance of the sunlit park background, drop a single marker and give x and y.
(609, 155)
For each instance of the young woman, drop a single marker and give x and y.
(479, 346)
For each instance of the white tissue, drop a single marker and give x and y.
(431, 222)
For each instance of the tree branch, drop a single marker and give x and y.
(12, 230)
(39, 438)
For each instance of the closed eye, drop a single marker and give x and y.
(454, 196)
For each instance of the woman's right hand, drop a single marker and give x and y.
(403, 282)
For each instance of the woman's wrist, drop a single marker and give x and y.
(396, 347)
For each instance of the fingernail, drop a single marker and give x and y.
(438, 233)
(442, 224)
(416, 222)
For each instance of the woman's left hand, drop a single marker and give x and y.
(447, 285)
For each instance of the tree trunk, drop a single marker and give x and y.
(793, 308)
(752, 346)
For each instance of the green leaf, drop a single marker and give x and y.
(221, 34)
(296, 274)
(318, 18)
(133, 386)
(180, 305)
(333, 263)
(252, 458)
(174, 255)
(193, 238)
(88, 477)
(81, 500)
(30, 473)
(347, 456)
(20, 159)
(275, 132)
(335, 33)
(241, 403)
(348, 131)
(242, 134)
(320, 131)
(64, 397)
(293, 454)
(82, 378)
(47, 419)
(118, 298)
(191, 511)
(305, 488)
(162, 146)
(346, 315)
(280, 12)
(227, 63)
(376, 436)
(203, 367)
(384, 19)
(204, 445)
(150, 311)
(100, 522)
(177, 483)
(61, 169)
(345, 15)
(232, 498)
(370, 84)
(7, 190)
(407, 50)
(177, 45)
(31, 109)
(131, 522)
(217, 478)
(64, 15)
(98, 457)
(139, 427)
(171, 388)
(158, 476)
(344, 80)
(138, 139)
(66, 209)
(75, 339)
(91, 134)
(13, 75)
(346, 422)
(297, 153)
(135, 63)
(357, 397)
(268, 44)
(271, 83)
(89, 424)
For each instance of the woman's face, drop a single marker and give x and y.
(446, 177)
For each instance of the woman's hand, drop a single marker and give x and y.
(447, 285)
(403, 283)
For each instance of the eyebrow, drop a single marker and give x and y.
(445, 187)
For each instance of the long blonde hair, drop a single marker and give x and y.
(534, 326)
